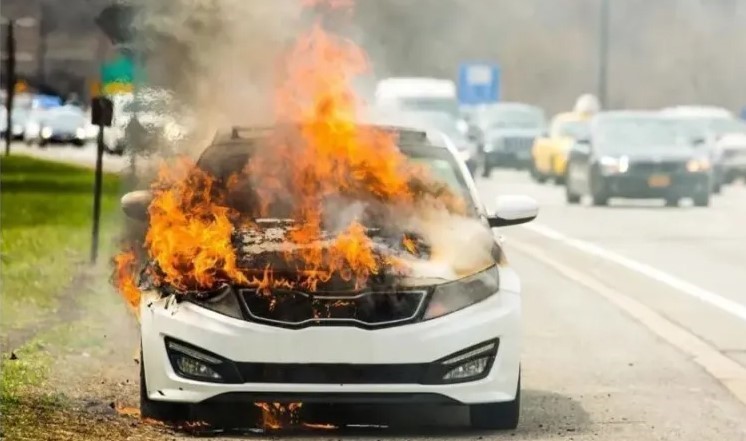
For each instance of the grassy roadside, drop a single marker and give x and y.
(45, 218)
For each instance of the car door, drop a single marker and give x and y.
(579, 166)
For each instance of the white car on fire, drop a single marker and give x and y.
(455, 342)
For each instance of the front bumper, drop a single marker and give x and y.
(248, 343)
(639, 186)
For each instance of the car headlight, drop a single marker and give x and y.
(222, 300)
(611, 165)
(80, 133)
(698, 165)
(453, 296)
(46, 132)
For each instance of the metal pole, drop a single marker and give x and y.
(603, 53)
(10, 76)
(97, 193)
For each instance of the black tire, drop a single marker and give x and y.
(701, 200)
(600, 200)
(571, 197)
(717, 188)
(160, 410)
(559, 180)
(672, 202)
(487, 170)
(497, 416)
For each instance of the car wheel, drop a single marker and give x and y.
(497, 416)
(159, 410)
(600, 200)
(487, 170)
(672, 202)
(571, 197)
(702, 200)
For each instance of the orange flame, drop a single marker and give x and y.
(327, 157)
(277, 415)
(125, 263)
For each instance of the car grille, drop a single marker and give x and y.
(295, 309)
(517, 144)
(657, 167)
(332, 373)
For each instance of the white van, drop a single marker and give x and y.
(418, 94)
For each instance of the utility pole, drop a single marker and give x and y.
(10, 80)
(603, 53)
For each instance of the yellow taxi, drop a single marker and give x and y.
(549, 152)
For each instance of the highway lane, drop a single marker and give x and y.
(704, 248)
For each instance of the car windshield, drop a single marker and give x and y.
(514, 118)
(631, 134)
(442, 167)
(724, 126)
(447, 105)
(223, 160)
(573, 129)
(67, 120)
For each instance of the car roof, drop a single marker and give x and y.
(570, 117)
(698, 111)
(413, 86)
(624, 114)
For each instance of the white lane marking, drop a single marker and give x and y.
(728, 372)
(724, 304)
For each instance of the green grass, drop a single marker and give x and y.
(45, 222)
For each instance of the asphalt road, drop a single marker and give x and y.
(634, 321)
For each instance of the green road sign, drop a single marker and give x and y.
(118, 76)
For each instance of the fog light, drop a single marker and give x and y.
(190, 362)
(467, 370)
(191, 367)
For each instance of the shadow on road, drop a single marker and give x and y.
(543, 413)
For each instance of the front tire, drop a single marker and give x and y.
(497, 416)
(701, 200)
(159, 410)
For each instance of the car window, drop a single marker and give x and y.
(446, 105)
(515, 118)
(632, 134)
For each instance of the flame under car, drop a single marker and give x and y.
(433, 335)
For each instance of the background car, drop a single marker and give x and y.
(635, 154)
(549, 152)
(63, 125)
(509, 132)
(724, 133)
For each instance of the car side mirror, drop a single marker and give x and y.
(513, 210)
(135, 204)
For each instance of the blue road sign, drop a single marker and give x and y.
(479, 83)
